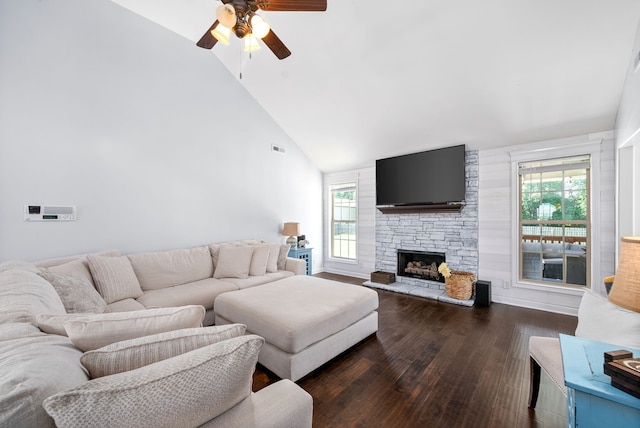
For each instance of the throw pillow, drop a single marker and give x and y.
(76, 292)
(282, 258)
(95, 331)
(274, 254)
(114, 278)
(601, 320)
(233, 262)
(187, 390)
(135, 353)
(54, 323)
(259, 260)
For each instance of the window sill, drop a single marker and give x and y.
(570, 290)
(344, 261)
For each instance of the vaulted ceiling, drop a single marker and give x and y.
(372, 79)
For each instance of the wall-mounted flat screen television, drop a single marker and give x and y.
(431, 177)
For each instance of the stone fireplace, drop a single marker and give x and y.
(452, 233)
(420, 264)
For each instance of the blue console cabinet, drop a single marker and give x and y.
(592, 401)
(304, 254)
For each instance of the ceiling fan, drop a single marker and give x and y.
(240, 16)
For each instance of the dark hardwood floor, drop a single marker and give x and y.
(436, 365)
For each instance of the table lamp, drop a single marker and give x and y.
(625, 290)
(292, 230)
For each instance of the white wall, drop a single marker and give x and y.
(365, 234)
(497, 245)
(150, 136)
(628, 146)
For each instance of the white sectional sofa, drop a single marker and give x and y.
(137, 355)
(193, 276)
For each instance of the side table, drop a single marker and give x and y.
(304, 254)
(591, 400)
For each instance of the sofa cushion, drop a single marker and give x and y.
(19, 265)
(95, 331)
(282, 258)
(274, 254)
(202, 292)
(24, 295)
(233, 262)
(252, 281)
(76, 292)
(214, 249)
(33, 368)
(126, 305)
(135, 353)
(168, 268)
(187, 390)
(601, 320)
(75, 267)
(114, 278)
(259, 260)
(62, 260)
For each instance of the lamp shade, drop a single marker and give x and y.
(221, 33)
(291, 229)
(251, 43)
(226, 14)
(625, 291)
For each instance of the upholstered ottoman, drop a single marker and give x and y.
(304, 320)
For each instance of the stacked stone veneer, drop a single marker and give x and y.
(455, 234)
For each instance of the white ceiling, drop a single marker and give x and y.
(372, 79)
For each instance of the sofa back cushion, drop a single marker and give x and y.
(34, 366)
(93, 331)
(601, 320)
(24, 295)
(168, 268)
(187, 390)
(135, 353)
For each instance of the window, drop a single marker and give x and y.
(343, 221)
(554, 226)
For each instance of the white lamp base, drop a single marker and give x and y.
(292, 241)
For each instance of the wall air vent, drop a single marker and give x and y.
(278, 149)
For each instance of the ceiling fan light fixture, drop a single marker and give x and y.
(241, 29)
(259, 27)
(221, 33)
(251, 43)
(226, 14)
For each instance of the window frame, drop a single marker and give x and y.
(332, 188)
(570, 149)
(538, 169)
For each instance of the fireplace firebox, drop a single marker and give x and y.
(420, 264)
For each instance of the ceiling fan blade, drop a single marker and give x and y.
(207, 41)
(274, 43)
(293, 5)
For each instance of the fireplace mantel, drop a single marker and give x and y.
(415, 209)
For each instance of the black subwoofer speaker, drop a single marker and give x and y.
(483, 293)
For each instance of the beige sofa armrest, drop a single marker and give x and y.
(297, 266)
(280, 405)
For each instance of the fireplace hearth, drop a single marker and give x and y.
(420, 264)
